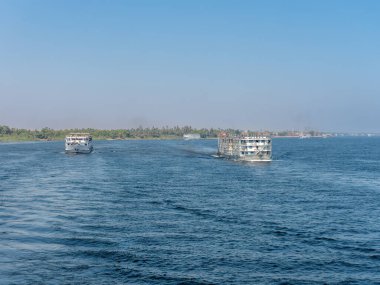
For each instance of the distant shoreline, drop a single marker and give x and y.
(8, 134)
(15, 140)
(100, 139)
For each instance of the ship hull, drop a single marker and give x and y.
(245, 158)
(78, 149)
(254, 159)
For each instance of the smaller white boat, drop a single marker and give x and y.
(187, 137)
(307, 136)
(78, 143)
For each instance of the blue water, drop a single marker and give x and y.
(168, 212)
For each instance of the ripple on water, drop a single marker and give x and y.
(167, 212)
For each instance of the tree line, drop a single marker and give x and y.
(8, 134)
(133, 133)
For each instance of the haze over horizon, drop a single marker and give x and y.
(259, 65)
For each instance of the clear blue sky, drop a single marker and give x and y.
(242, 64)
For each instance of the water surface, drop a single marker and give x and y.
(167, 212)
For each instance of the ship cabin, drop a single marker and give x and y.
(78, 138)
(253, 146)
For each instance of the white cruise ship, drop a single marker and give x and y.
(78, 143)
(245, 148)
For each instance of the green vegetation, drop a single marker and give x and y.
(13, 134)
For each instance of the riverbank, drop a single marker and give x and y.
(8, 134)
(16, 139)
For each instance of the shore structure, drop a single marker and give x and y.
(78, 143)
(245, 148)
(187, 137)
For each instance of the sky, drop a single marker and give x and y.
(249, 65)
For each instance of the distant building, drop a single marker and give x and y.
(191, 136)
